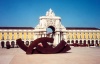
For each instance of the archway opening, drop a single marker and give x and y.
(84, 43)
(50, 31)
(2, 44)
(89, 42)
(72, 41)
(27, 43)
(76, 42)
(92, 43)
(97, 44)
(12, 44)
(68, 41)
(80, 42)
(8, 45)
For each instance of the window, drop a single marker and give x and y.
(12, 32)
(2, 37)
(26, 37)
(68, 37)
(17, 35)
(12, 37)
(92, 36)
(72, 37)
(88, 36)
(2, 33)
(22, 36)
(76, 37)
(27, 33)
(7, 37)
(7, 32)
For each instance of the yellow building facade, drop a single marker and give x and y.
(81, 35)
(73, 35)
(10, 34)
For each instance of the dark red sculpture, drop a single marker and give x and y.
(21, 44)
(44, 48)
(59, 48)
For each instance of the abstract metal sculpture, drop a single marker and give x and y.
(34, 47)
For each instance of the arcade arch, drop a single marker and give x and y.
(50, 31)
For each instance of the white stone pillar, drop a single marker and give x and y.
(70, 41)
(82, 41)
(35, 36)
(0, 43)
(56, 38)
(29, 42)
(86, 41)
(5, 43)
(90, 41)
(64, 36)
(44, 34)
(78, 41)
(74, 40)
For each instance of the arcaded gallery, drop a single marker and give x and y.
(74, 36)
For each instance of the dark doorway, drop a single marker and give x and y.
(68, 41)
(80, 42)
(50, 31)
(89, 42)
(97, 44)
(8, 45)
(92, 43)
(12, 44)
(72, 41)
(27, 43)
(76, 41)
(2, 44)
(84, 43)
(31, 42)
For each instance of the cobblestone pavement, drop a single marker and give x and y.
(77, 55)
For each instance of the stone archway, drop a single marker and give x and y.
(76, 41)
(89, 42)
(31, 42)
(72, 41)
(53, 22)
(84, 43)
(2, 44)
(97, 44)
(68, 41)
(92, 43)
(7, 42)
(8, 45)
(80, 42)
(12, 44)
(51, 33)
(27, 43)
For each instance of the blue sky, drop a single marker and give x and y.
(26, 13)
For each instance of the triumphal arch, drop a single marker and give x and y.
(50, 20)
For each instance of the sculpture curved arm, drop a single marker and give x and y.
(21, 44)
(35, 43)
